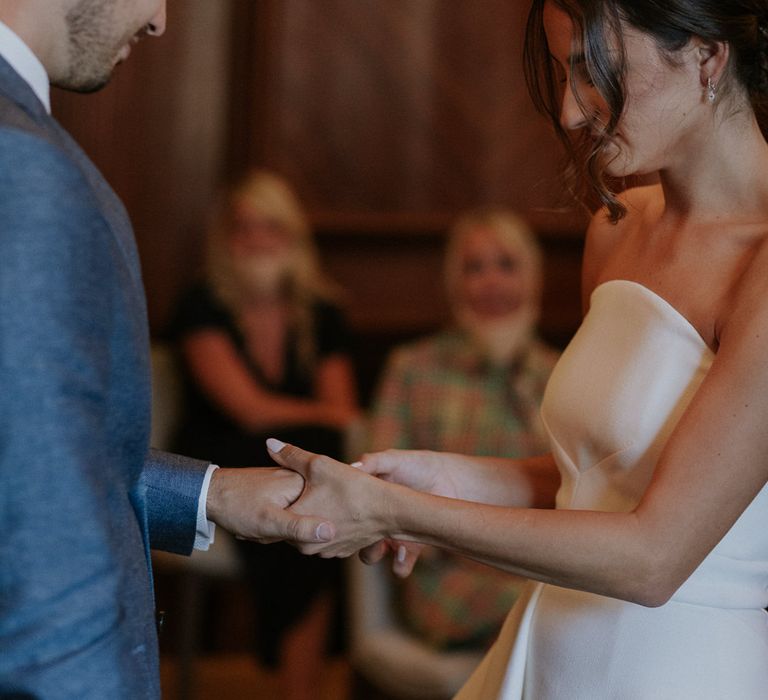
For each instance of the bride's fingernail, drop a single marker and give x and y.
(401, 553)
(275, 445)
(323, 532)
(356, 465)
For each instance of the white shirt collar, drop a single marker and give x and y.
(26, 64)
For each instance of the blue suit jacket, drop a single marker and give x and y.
(82, 498)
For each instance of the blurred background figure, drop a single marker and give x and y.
(474, 388)
(263, 352)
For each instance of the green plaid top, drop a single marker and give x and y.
(440, 393)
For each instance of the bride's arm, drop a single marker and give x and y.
(486, 480)
(528, 483)
(712, 467)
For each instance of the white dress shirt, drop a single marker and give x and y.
(26, 64)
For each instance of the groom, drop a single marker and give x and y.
(82, 498)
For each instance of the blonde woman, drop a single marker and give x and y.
(263, 350)
(474, 388)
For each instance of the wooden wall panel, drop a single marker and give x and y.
(389, 116)
(398, 105)
(157, 133)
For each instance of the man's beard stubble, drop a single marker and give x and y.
(92, 55)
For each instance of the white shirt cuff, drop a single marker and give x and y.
(205, 531)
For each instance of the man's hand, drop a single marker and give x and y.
(252, 504)
(333, 487)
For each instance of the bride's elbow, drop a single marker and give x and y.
(653, 596)
(655, 581)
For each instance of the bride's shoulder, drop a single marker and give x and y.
(604, 234)
(638, 204)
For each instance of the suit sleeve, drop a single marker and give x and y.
(173, 485)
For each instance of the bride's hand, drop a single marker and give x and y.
(422, 470)
(404, 555)
(354, 501)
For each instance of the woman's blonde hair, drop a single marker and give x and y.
(273, 197)
(512, 233)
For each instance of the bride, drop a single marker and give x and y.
(653, 569)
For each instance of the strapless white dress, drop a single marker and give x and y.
(611, 403)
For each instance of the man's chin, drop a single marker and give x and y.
(84, 86)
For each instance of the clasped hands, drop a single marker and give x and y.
(321, 506)
(345, 495)
(361, 501)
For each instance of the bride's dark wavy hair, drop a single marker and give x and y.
(743, 24)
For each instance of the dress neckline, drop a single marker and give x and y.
(660, 301)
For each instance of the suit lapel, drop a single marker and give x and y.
(18, 90)
(111, 206)
(35, 118)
